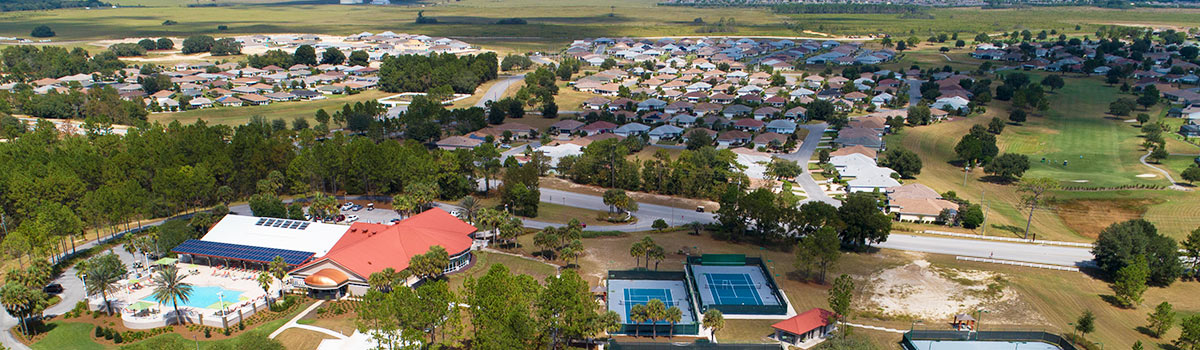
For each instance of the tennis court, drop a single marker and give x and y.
(733, 285)
(624, 294)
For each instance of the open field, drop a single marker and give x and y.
(551, 23)
(1076, 125)
(516, 265)
(69, 335)
(298, 338)
(285, 110)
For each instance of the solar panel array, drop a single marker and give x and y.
(282, 223)
(241, 252)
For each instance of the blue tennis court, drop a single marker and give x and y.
(635, 296)
(733, 289)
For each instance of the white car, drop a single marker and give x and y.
(351, 218)
(347, 206)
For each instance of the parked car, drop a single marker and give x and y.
(352, 218)
(370, 206)
(356, 207)
(347, 206)
(340, 218)
(53, 288)
(700, 209)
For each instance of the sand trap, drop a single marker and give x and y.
(933, 293)
(1131, 120)
(1081, 181)
(1146, 176)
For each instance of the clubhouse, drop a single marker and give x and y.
(328, 260)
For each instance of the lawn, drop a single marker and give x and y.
(562, 214)
(286, 110)
(69, 335)
(516, 265)
(1075, 126)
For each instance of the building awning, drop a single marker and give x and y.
(166, 261)
(241, 252)
(327, 278)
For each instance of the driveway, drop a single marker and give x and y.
(801, 156)
(496, 92)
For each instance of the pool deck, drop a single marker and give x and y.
(140, 288)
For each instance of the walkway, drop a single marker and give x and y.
(292, 324)
(1174, 185)
(801, 156)
(889, 330)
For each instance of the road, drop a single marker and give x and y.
(496, 92)
(1033, 253)
(646, 212)
(73, 293)
(914, 91)
(801, 156)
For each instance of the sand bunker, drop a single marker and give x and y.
(1145, 176)
(1081, 181)
(934, 293)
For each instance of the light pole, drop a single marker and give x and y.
(979, 321)
(221, 297)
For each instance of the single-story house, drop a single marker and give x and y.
(665, 132)
(809, 326)
(782, 126)
(457, 142)
(732, 137)
(631, 129)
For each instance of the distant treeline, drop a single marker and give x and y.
(847, 8)
(417, 73)
(25, 5)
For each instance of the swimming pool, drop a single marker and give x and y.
(206, 297)
(981, 345)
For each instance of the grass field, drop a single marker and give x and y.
(285, 110)
(551, 23)
(1076, 125)
(516, 265)
(69, 335)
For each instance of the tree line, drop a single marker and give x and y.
(701, 173)
(416, 73)
(29, 62)
(30, 5)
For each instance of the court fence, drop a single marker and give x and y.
(729, 309)
(702, 344)
(658, 329)
(1010, 336)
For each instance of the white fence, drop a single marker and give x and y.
(1018, 263)
(1007, 239)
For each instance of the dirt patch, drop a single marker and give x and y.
(1088, 217)
(920, 290)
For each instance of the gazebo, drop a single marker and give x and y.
(964, 322)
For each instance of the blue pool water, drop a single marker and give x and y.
(205, 297)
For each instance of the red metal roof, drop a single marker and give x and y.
(368, 248)
(805, 322)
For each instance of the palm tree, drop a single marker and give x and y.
(574, 250)
(102, 277)
(637, 250)
(279, 270)
(470, 206)
(638, 314)
(169, 287)
(21, 302)
(673, 316)
(264, 281)
(655, 311)
(714, 320)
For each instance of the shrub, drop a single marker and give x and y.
(99, 332)
(207, 333)
(241, 326)
(169, 23)
(117, 337)
(227, 332)
(108, 333)
(595, 234)
(127, 49)
(222, 27)
(42, 31)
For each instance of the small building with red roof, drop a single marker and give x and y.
(367, 248)
(806, 328)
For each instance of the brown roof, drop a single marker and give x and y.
(914, 191)
(870, 153)
(921, 206)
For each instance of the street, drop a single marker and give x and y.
(1033, 253)
(496, 92)
(801, 156)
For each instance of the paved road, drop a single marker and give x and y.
(802, 155)
(541, 60)
(914, 91)
(496, 92)
(646, 212)
(1033, 253)
(73, 293)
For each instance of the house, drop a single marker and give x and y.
(732, 137)
(683, 120)
(652, 104)
(200, 102)
(917, 203)
(255, 99)
(598, 127)
(665, 132)
(870, 153)
(458, 142)
(950, 103)
(782, 126)
(869, 138)
(229, 101)
(688, 133)
(1190, 130)
(765, 112)
(733, 111)
(517, 129)
(748, 124)
(631, 129)
(809, 328)
(770, 140)
(595, 103)
(568, 126)
(678, 107)
(796, 113)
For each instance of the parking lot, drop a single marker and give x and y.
(378, 215)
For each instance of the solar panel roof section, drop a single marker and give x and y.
(241, 252)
